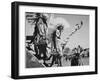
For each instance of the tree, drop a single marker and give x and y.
(67, 51)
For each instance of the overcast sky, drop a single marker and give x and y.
(81, 37)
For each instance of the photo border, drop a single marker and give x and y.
(15, 39)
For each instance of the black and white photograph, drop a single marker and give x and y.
(51, 40)
(56, 40)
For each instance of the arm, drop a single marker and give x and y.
(58, 34)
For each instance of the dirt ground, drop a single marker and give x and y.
(33, 62)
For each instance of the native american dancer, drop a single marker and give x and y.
(39, 36)
(56, 49)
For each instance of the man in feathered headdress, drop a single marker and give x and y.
(39, 34)
(56, 51)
